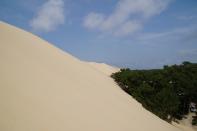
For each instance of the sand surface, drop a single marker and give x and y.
(45, 89)
(104, 68)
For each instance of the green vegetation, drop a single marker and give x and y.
(166, 92)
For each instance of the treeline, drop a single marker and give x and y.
(166, 92)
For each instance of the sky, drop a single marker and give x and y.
(138, 34)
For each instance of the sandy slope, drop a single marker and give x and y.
(104, 68)
(44, 89)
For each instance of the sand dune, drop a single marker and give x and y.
(45, 89)
(104, 68)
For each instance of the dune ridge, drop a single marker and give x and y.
(104, 68)
(44, 88)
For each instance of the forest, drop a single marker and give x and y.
(166, 92)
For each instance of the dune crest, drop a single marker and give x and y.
(45, 89)
(104, 68)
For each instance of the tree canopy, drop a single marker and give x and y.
(166, 92)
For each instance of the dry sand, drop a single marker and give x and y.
(104, 68)
(45, 89)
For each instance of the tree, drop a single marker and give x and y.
(167, 103)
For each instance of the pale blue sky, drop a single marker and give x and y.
(125, 33)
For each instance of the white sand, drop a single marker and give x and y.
(104, 68)
(45, 89)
